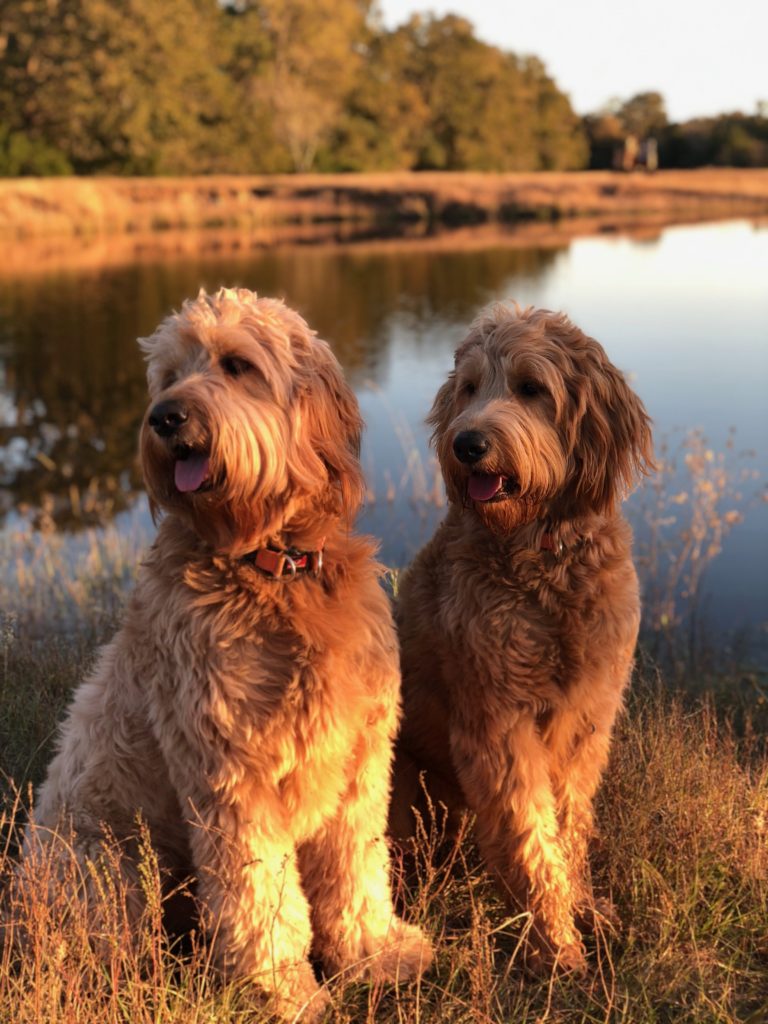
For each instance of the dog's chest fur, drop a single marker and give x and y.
(254, 672)
(527, 625)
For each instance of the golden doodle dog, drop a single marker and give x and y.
(247, 707)
(518, 620)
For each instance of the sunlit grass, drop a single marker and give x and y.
(682, 851)
(682, 847)
(117, 207)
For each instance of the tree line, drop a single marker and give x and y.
(728, 140)
(278, 86)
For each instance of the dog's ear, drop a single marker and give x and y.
(441, 413)
(336, 428)
(609, 432)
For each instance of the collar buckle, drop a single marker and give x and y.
(292, 568)
(548, 543)
(316, 563)
(279, 565)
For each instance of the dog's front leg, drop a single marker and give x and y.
(578, 754)
(579, 742)
(346, 873)
(255, 910)
(504, 772)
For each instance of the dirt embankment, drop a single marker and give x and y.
(110, 206)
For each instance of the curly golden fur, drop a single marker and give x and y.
(249, 720)
(518, 620)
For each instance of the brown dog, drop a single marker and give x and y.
(518, 620)
(247, 707)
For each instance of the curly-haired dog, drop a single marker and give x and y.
(518, 620)
(248, 705)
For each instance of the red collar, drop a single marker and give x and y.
(281, 564)
(548, 543)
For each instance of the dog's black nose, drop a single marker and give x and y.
(470, 446)
(167, 417)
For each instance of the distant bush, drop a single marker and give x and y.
(21, 156)
(732, 140)
(729, 140)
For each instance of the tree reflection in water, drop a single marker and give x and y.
(72, 389)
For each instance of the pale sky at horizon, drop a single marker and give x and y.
(704, 57)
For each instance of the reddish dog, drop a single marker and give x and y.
(518, 620)
(247, 707)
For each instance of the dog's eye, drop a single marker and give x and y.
(168, 381)
(529, 389)
(468, 388)
(235, 366)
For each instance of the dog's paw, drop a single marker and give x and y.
(305, 1003)
(312, 1008)
(542, 961)
(401, 953)
(600, 915)
(298, 997)
(570, 960)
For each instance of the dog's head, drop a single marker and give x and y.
(251, 430)
(536, 422)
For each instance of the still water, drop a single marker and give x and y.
(683, 311)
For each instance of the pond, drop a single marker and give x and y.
(683, 310)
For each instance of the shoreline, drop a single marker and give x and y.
(33, 255)
(109, 207)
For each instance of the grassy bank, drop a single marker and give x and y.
(110, 206)
(682, 851)
(29, 256)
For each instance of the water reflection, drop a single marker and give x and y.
(684, 311)
(72, 382)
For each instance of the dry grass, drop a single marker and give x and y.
(99, 206)
(683, 852)
(686, 510)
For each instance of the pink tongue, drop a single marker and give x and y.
(483, 486)
(190, 473)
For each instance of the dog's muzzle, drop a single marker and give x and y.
(470, 446)
(167, 418)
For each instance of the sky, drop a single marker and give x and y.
(704, 57)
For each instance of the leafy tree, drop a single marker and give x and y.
(605, 135)
(688, 145)
(300, 66)
(387, 120)
(476, 98)
(269, 85)
(434, 96)
(258, 146)
(643, 115)
(731, 140)
(561, 141)
(740, 141)
(21, 156)
(127, 87)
